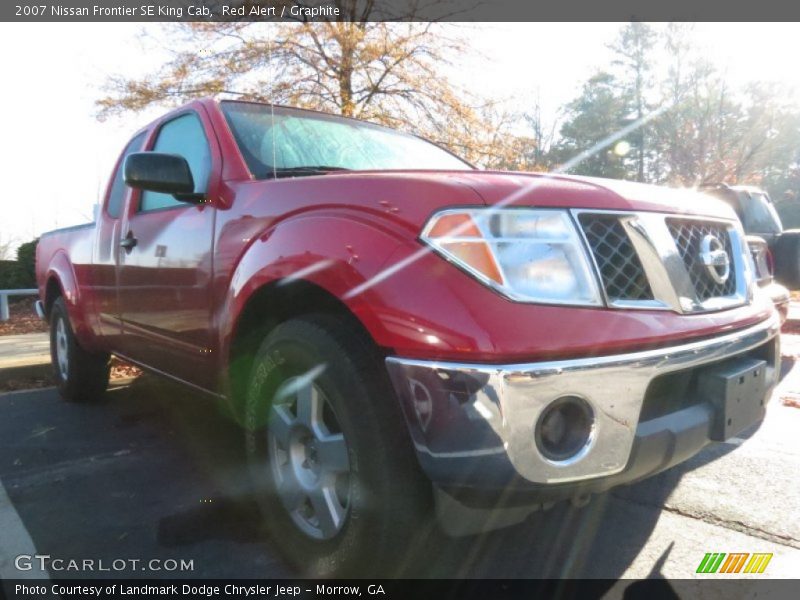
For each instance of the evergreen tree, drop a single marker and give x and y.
(597, 113)
(633, 48)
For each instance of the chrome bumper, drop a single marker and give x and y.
(780, 297)
(466, 413)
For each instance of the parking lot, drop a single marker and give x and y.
(155, 473)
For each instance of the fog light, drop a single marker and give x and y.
(564, 428)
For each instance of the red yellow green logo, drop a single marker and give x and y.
(736, 562)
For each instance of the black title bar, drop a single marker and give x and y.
(438, 589)
(395, 10)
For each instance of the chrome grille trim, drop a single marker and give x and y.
(669, 261)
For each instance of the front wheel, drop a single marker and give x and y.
(80, 376)
(333, 467)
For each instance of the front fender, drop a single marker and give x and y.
(338, 253)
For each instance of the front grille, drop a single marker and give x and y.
(620, 269)
(688, 235)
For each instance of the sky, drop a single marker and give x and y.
(56, 157)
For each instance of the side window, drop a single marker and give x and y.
(117, 195)
(184, 136)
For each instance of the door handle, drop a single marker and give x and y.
(129, 242)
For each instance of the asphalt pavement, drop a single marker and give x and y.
(155, 472)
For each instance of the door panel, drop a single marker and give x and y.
(165, 291)
(166, 266)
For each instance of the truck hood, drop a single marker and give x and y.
(499, 188)
(408, 198)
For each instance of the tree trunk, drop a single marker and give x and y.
(640, 116)
(346, 78)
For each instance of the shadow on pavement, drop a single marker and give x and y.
(599, 540)
(217, 518)
(158, 472)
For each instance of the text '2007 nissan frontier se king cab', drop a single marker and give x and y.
(402, 335)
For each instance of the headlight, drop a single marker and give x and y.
(529, 255)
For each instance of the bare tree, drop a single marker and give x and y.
(377, 71)
(390, 73)
(713, 132)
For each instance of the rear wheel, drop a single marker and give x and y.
(80, 376)
(335, 474)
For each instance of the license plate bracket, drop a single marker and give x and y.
(737, 389)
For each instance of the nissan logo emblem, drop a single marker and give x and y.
(715, 259)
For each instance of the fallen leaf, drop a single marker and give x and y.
(790, 401)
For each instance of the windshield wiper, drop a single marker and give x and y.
(303, 170)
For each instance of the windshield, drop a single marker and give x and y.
(760, 215)
(292, 142)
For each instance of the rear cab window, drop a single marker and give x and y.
(116, 197)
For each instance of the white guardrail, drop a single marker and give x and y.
(4, 294)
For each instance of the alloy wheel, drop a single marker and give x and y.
(308, 457)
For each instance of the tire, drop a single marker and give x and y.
(80, 376)
(344, 496)
(787, 260)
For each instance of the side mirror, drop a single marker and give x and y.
(158, 172)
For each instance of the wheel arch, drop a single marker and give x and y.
(267, 307)
(61, 282)
(310, 263)
(52, 291)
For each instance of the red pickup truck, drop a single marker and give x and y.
(402, 335)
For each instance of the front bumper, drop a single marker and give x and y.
(473, 425)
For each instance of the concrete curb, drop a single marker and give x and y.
(25, 356)
(37, 371)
